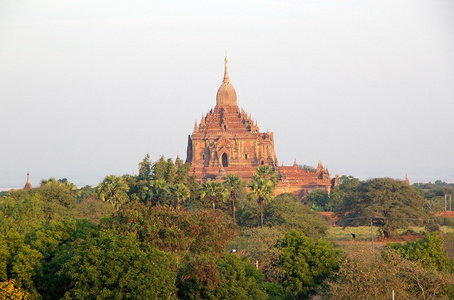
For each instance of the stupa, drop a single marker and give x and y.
(28, 184)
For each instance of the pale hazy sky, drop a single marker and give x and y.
(88, 87)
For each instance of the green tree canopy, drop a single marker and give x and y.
(9, 291)
(287, 212)
(182, 173)
(145, 168)
(135, 274)
(164, 170)
(214, 191)
(236, 188)
(19, 261)
(178, 231)
(259, 245)
(306, 264)
(366, 275)
(159, 190)
(113, 189)
(178, 193)
(427, 251)
(235, 279)
(308, 168)
(262, 187)
(391, 203)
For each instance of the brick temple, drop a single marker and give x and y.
(228, 140)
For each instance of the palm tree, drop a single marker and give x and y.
(159, 190)
(113, 190)
(214, 191)
(262, 187)
(235, 185)
(266, 172)
(180, 193)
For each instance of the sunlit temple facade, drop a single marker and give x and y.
(228, 140)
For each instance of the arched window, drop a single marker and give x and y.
(262, 162)
(225, 161)
(245, 155)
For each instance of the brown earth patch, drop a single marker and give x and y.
(444, 214)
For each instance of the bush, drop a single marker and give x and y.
(306, 264)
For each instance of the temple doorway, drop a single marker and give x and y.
(225, 161)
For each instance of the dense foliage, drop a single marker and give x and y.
(390, 204)
(162, 235)
(364, 274)
(306, 264)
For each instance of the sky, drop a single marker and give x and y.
(88, 88)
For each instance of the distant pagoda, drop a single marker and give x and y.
(28, 184)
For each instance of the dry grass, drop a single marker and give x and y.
(363, 232)
(345, 234)
(344, 239)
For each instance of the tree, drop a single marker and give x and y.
(239, 279)
(194, 187)
(159, 191)
(318, 201)
(182, 172)
(259, 245)
(262, 186)
(57, 192)
(19, 262)
(235, 185)
(159, 169)
(214, 191)
(228, 277)
(145, 168)
(308, 168)
(265, 172)
(427, 251)
(65, 182)
(306, 264)
(180, 193)
(286, 212)
(390, 203)
(366, 275)
(25, 210)
(94, 209)
(22, 212)
(195, 239)
(180, 232)
(113, 190)
(164, 170)
(11, 292)
(136, 274)
(249, 212)
(170, 171)
(86, 192)
(139, 188)
(52, 241)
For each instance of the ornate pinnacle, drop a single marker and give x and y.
(226, 71)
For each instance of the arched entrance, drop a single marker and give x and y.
(225, 160)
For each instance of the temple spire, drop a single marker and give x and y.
(226, 70)
(28, 184)
(407, 182)
(196, 128)
(226, 95)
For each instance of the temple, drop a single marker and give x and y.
(228, 140)
(28, 184)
